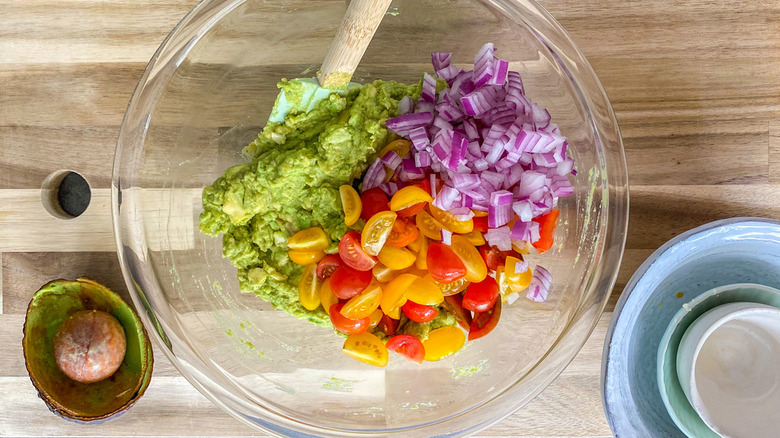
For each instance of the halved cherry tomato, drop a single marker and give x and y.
(394, 294)
(452, 288)
(383, 274)
(418, 312)
(444, 265)
(403, 233)
(350, 203)
(400, 147)
(494, 258)
(327, 265)
(429, 226)
(374, 318)
(310, 239)
(346, 325)
(478, 213)
(442, 342)
(479, 297)
(425, 184)
(304, 258)
(453, 304)
(475, 237)
(327, 297)
(407, 346)
(425, 292)
(388, 325)
(396, 258)
(363, 304)
(375, 233)
(352, 253)
(347, 282)
(476, 269)
(422, 254)
(449, 221)
(484, 322)
(415, 246)
(409, 196)
(411, 211)
(373, 200)
(517, 281)
(547, 225)
(480, 223)
(521, 246)
(366, 348)
(309, 288)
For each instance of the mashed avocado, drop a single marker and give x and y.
(292, 181)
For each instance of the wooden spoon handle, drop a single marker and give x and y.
(358, 27)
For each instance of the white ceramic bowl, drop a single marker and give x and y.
(727, 365)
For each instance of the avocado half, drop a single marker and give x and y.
(84, 402)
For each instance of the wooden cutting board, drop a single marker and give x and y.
(696, 87)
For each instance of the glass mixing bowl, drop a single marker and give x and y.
(208, 91)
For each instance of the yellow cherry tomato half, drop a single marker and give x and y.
(428, 226)
(366, 348)
(375, 233)
(449, 221)
(442, 342)
(408, 196)
(304, 258)
(517, 281)
(309, 288)
(478, 213)
(382, 273)
(425, 292)
(393, 295)
(476, 269)
(475, 237)
(310, 239)
(521, 246)
(327, 297)
(422, 254)
(415, 246)
(453, 288)
(363, 304)
(350, 203)
(400, 147)
(396, 258)
(374, 318)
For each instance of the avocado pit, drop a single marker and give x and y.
(89, 346)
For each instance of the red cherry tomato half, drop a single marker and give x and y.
(327, 265)
(480, 297)
(481, 223)
(411, 211)
(484, 322)
(494, 258)
(408, 346)
(547, 225)
(388, 325)
(403, 233)
(346, 325)
(454, 305)
(353, 254)
(425, 184)
(418, 312)
(373, 200)
(346, 282)
(444, 265)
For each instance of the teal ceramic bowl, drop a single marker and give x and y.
(680, 409)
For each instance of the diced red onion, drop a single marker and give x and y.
(428, 93)
(463, 181)
(500, 208)
(499, 237)
(445, 197)
(424, 107)
(446, 236)
(419, 138)
(411, 170)
(389, 188)
(524, 210)
(540, 285)
(391, 160)
(405, 105)
(448, 73)
(440, 60)
(566, 167)
(422, 159)
(500, 70)
(442, 124)
(528, 231)
(375, 175)
(520, 266)
(462, 213)
(483, 65)
(405, 123)
(457, 151)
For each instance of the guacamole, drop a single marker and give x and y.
(291, 183)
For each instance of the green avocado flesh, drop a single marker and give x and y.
(50, 306)
(292, 183)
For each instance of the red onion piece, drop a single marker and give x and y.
(540, 285)
(375, 174)
(499, 237)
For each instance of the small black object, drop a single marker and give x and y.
(74, 194)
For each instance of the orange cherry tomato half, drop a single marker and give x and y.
(403, 233)
(547, 225)
(346, 325)
(444, 265)
(418, 312)
(480, 297)
(347, 282)
(480, 223)
(476, 269)
(453, 304)
(484, 322)
(425, 184)
(407, 346)
(327, 265)
(352, 253)
(411, 211)
(373, 201)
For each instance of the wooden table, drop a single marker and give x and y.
(696, 87)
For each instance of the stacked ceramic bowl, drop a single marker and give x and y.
(694, 346)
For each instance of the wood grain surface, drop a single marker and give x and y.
(696, 88)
